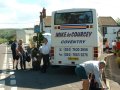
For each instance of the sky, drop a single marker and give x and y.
(25, 13)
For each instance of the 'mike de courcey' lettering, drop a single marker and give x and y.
(73, 34)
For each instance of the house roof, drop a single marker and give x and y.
(106, 21)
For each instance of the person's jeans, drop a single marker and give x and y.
(22, 61)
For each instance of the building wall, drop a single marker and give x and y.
(20, 34)
(28, 35)
(111, 34)
(25, 35)
(47, 29)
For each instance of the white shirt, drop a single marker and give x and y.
(45, 48)
(93, 67)
(113, 43)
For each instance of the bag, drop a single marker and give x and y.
(28, 58)
(17, 57)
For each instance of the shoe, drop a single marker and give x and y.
(16, 68)
(24, 68)
(43, 71)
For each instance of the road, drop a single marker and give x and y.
(56, 78)
(113, 72)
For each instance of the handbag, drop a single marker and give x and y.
(28, 58)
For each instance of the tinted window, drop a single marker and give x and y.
(74, 18)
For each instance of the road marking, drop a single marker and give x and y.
(12, 82)
(12, 72)
(12, 76)
(8, 48)
(2, 89)
(2, 83)
(69, 85)
(14, 88)
(3, 76)
(11, 67)
(10, 63)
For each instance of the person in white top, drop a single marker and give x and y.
(90, 67)
(113, 45)
(45, 50)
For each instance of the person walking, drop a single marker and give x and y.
(45, 50)
(91, 67)
(14, 55)
(21, 54)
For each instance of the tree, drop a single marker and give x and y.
(118, 21)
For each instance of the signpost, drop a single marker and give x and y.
(36, 28)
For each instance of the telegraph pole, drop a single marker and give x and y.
(38, 29)
(42, 16)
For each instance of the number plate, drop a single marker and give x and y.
(73, 58)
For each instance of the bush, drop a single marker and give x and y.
(2, 40)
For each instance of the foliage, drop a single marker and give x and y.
(118, 21)
(104, 40)
(118, 58)
(41, 37)
(118, 38)
(7, 35)
(117, 52)
(2, 40)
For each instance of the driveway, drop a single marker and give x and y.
(113, 72)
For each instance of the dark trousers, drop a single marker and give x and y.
(36, 65)
(22, 61)
(45, 62)
(23, 64)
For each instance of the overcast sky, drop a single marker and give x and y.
(25, 13)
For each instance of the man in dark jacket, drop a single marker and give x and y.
(14, 55)
(36, 58)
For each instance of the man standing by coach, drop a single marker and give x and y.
(14, 55)
(45, 50)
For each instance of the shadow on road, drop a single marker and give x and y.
(52, 78)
